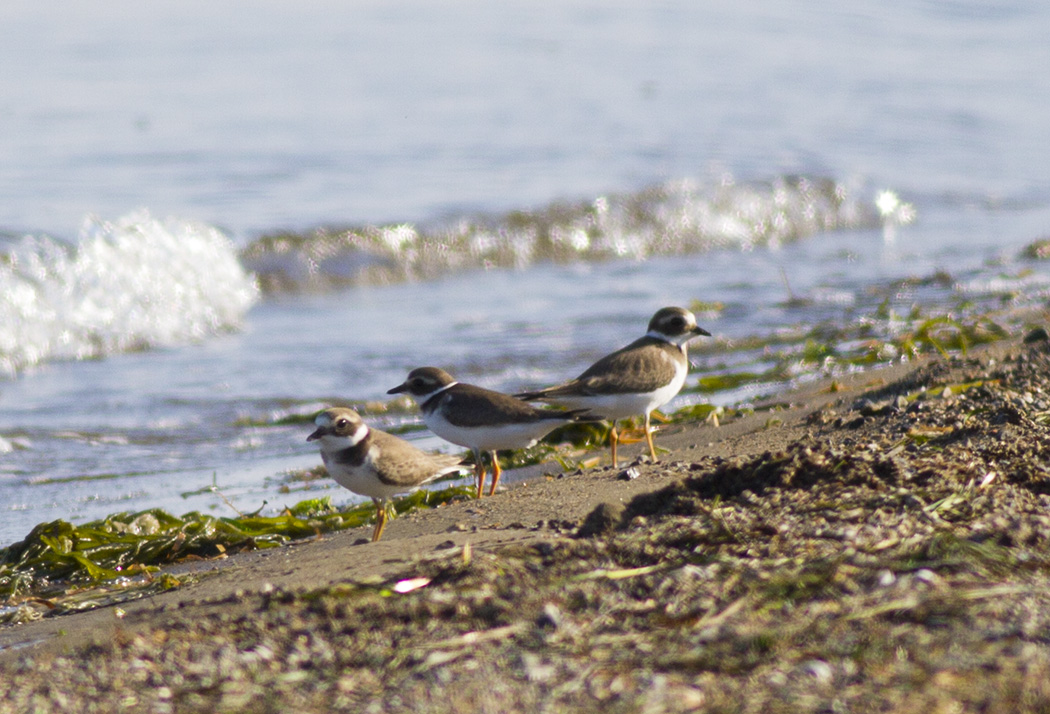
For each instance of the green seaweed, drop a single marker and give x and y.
(57, 556)
(1037, 250)
(858, 342)
(712, 383)
(706, 412)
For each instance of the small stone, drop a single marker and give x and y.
(819, 670)
(629, 474)
(866, 407)
(925, 575)
(551, 618)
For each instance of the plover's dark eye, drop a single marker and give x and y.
(342, 423)
(678, 322)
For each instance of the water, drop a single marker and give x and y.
(528, 182)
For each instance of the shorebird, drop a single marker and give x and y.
(637, 379)
(374, 463)
(480, 419)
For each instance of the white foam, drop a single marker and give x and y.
(134, 283)
(674, 218)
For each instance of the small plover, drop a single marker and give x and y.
(637, 379)
(374, 463)
(480, 419)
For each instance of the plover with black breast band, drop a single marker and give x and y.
(374, 463)
(480, 419)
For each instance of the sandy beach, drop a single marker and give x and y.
(879, 542)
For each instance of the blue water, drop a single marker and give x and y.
(242, 119)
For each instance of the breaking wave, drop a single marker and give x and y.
(139, 283)
(131, 284)
(674, 218)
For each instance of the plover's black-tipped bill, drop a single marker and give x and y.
(403, 387)
(701, 331)
(321, 431)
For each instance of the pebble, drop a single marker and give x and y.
(629, 474)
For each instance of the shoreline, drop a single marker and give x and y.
(534, 526)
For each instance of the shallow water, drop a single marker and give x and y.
(523, 146)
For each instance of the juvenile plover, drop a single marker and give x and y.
(480, 419)
(374, 463)
(637, 379)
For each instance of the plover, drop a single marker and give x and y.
(374, 463)
(637, 379)
(480, 419)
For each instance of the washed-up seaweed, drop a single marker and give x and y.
(122, 552)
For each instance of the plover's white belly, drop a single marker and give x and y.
(489, 438)
(362, 479)
(620, 406)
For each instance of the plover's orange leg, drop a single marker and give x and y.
(496, 471)
(649, 438)
(630, 435)
(613, 438)
(479, 471)
(380, 519)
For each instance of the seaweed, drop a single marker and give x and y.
(831, 348)
(59, 558)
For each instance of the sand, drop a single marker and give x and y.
(664, 601)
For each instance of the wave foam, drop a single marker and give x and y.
(131, 284)
(675, 218)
